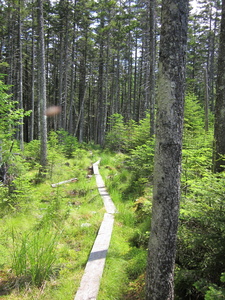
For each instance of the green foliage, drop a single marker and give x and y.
(137, 263)
(10, 115)
(193, 115)
(184, 284)
(201, 236)
(53, 140)
(35, 251)
(67, 142)
(115, 137)
(215, 293)
(17, 179)
(143, 207)
(128, 176)
(34, 254)
(125, 136)
(12, 164)
(32, 153)
(140, 160)
(210, 291)
(56, 213)
(133, 139)
(141, 135)
(130, 234)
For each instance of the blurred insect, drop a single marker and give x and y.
(53, 110)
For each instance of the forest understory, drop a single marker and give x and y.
(87, 80)
(47, 232)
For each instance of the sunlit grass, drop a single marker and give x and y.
(125, 262)
(75, 209)
(115, 279)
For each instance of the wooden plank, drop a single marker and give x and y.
(108, 203)
(90, 281)
(95, 168)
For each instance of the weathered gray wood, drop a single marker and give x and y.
(62, 182)
(95, 168)
(108, 203)
(90, 281)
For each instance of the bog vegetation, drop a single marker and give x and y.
(98, 65)
(47, 233)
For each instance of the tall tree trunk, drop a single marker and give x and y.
(32, 77)
(206, 99)
(66, 69)
(219, 126)
(152, 50)
(101, 103)
(212, 52)
(42, 92)
(117, 84)
(140, 84)
(82, 89)
(72, 109)
(167, 167)
(20, 46)
(61, 74)
(135, 80)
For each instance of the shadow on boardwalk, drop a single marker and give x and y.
(90, 281)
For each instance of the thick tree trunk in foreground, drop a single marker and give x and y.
(219, 126)
(162, 243)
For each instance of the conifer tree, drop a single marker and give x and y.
(42, 86)
(167, 165)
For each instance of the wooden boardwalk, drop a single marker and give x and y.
(90, 281)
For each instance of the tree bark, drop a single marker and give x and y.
(152, 50)
(167, 166)
(100, 116)
(206, 99)
(20, 75)
(219, 126)
(42, 92)
(32, 78)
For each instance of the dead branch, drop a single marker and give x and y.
(62, 182)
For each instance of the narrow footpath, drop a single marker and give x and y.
(90, 281)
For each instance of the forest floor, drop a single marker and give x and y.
(70, 216)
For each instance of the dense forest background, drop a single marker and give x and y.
(101, 59)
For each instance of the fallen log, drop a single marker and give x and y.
(62, 182)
